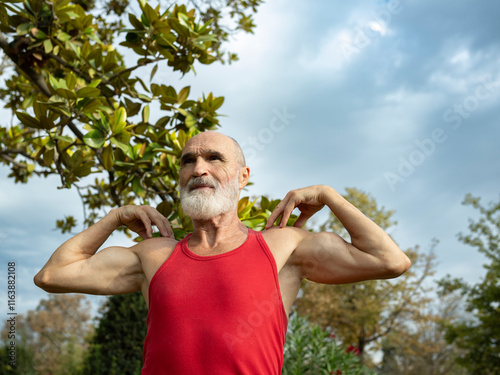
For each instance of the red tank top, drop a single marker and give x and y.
(220, 314)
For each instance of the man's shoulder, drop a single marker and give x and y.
(291, 233)
(284, 239)
(156, 244)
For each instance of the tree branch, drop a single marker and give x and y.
(118, 74)
(67, 65)
(34, 77)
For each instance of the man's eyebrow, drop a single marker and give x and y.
(214, 153)
(188, 155)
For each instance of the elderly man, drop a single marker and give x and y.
(219, 299)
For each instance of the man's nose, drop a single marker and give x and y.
(200, 167)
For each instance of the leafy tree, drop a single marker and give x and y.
(420, 347)
(23, 360)
(116, 347)
(54, 333)
(479, 335)
(362, 313)
(83, 107)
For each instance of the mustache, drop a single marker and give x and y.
(201, 181)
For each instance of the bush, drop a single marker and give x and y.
(309, 349)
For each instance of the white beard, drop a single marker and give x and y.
(206, 204)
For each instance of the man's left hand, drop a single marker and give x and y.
(308, 200)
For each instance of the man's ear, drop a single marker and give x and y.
(244, 176)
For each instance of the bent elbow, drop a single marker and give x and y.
(40, 280)
(43, 281)
(399, 266)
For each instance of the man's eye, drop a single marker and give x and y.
(214, 157)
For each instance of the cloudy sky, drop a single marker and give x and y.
(399, 99)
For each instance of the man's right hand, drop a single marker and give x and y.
(140, 219)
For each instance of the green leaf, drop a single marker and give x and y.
(67, 94)
(165, 208)
(77, 158)
(150, 14)
(83, 170)
(162, 122)
(24, 28)
(54, 82)
(119, 120)
(94, 138)
(184, 20)
(153, 72)
(205, 38)
(71, 81)
(47, 45)
(132, 108)
(28, 120)
(122, 146)
(62, 36)
(144, 98)
(145, 114)
(135, 22)
(94, 83)
(217, 102)
(108, 157)
(104, 123)
(91, 106)
(39, 34)
(183, 95)
(88, 92)
(137, 188)
(190, 121)
(64, 138)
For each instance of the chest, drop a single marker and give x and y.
(227, 284)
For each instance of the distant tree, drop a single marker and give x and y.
(419, 345)
(55, 333)
(479, 336)
(363, 313)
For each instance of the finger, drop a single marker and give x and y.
(287, 211)
(299, 223)
(274, 215)
(147, 225)
(162, 224)
(143, 234)
(168, 229)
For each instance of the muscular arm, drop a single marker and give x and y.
(76, 266)
(326, 257)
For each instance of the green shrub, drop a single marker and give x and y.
(309, 349)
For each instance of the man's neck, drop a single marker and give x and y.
(218, 233)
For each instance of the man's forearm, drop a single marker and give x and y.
(365, 234)
(84, 244)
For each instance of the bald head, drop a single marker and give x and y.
(221, 139)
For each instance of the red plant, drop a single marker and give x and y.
(353, 349)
